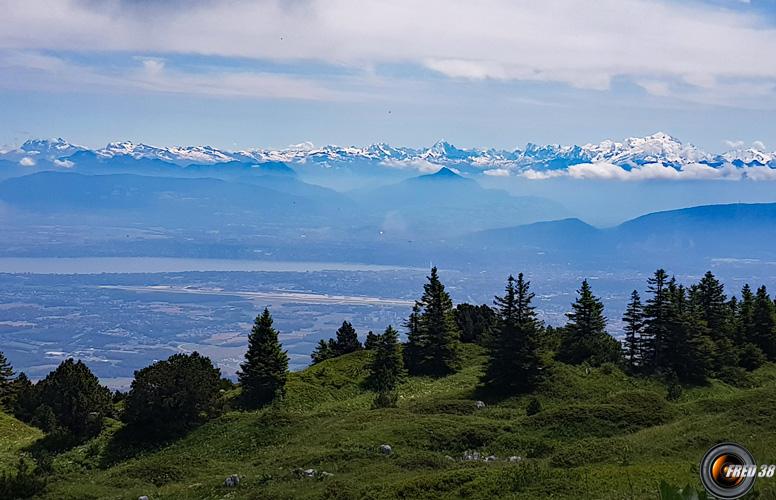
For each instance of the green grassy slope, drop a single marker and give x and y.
(600, 435)
(14, 437)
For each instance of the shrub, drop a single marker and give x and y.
(22, 483)
(75, 397)
(170, 397)
(534, 407)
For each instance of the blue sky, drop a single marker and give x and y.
(498, 73)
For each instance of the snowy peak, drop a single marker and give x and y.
(658, 148)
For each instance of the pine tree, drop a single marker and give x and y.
(689, 351)
(372, 341)
(434, 345)
(474, 322)
(6, 379)
(514, 363)
(745, 316)
(709, 295)
(634, 323)
(586, 338)
(764, 323)
(172, 396)
(387, 367)
(264, 372)
(656, 317)
(322, 352)
(347, 339)
(416, 341)
(76, 398)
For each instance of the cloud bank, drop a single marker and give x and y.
(687, 50)
(654, 171)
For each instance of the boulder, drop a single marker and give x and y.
(385, 449)
(471, 455)
(308, 473)
(479, 405)
(515, 458)
(491, 458)
(144, 497)
(232, 481)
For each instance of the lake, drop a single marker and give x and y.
(97, 265)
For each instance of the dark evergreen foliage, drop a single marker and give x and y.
(764, 324)
(6, 380)
(372, 340)
(585, 338)
(514, 363)
(634, 324)
(347, 339)
(263, 374)
(656, 322)
(433, 338)
(475, 322)
(387, 367)
(170, 397)
(323, 351)
(76, 398)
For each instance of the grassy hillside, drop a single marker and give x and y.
(15, 436)
(600, 434)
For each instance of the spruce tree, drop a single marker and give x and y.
(656, 318)
(689, 351)
(764, 323)
(6, 379)
(372, 341)
(322, 352)
(585, 336)
(347, 339)
(264, 372)
(387, 367)
(709, 296)
(434, 345)
(416, 341)
(514, 363)
(474, 322)
(745, 315)
(634, 323)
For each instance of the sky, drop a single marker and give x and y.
(493, 73)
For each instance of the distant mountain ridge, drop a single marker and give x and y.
(659, 148)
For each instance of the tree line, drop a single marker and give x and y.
(680, 334)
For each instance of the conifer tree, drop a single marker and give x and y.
(656, 318)
(387, 367)
(745, 316)
(264, 372)
(6, 379)
(76, 398)
(323, 351)
(474, 322)
(514, 363)
(585, 336)
(709, 296)
(347, 339)
(434, 346)
(372, 341)
(689, 351)
(634, 323)
(764, 323)
(416, 341)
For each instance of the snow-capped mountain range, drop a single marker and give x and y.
(533, 161)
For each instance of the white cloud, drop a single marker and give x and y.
(418, 164)
(654, 171)
(497, 172)
(34, 71)
(27, 162)
(64, 163)
(683, 49)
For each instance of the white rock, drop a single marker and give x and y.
(232, 481)
(309, 472)
(515, 458)
(385, 449)
(480, 405)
